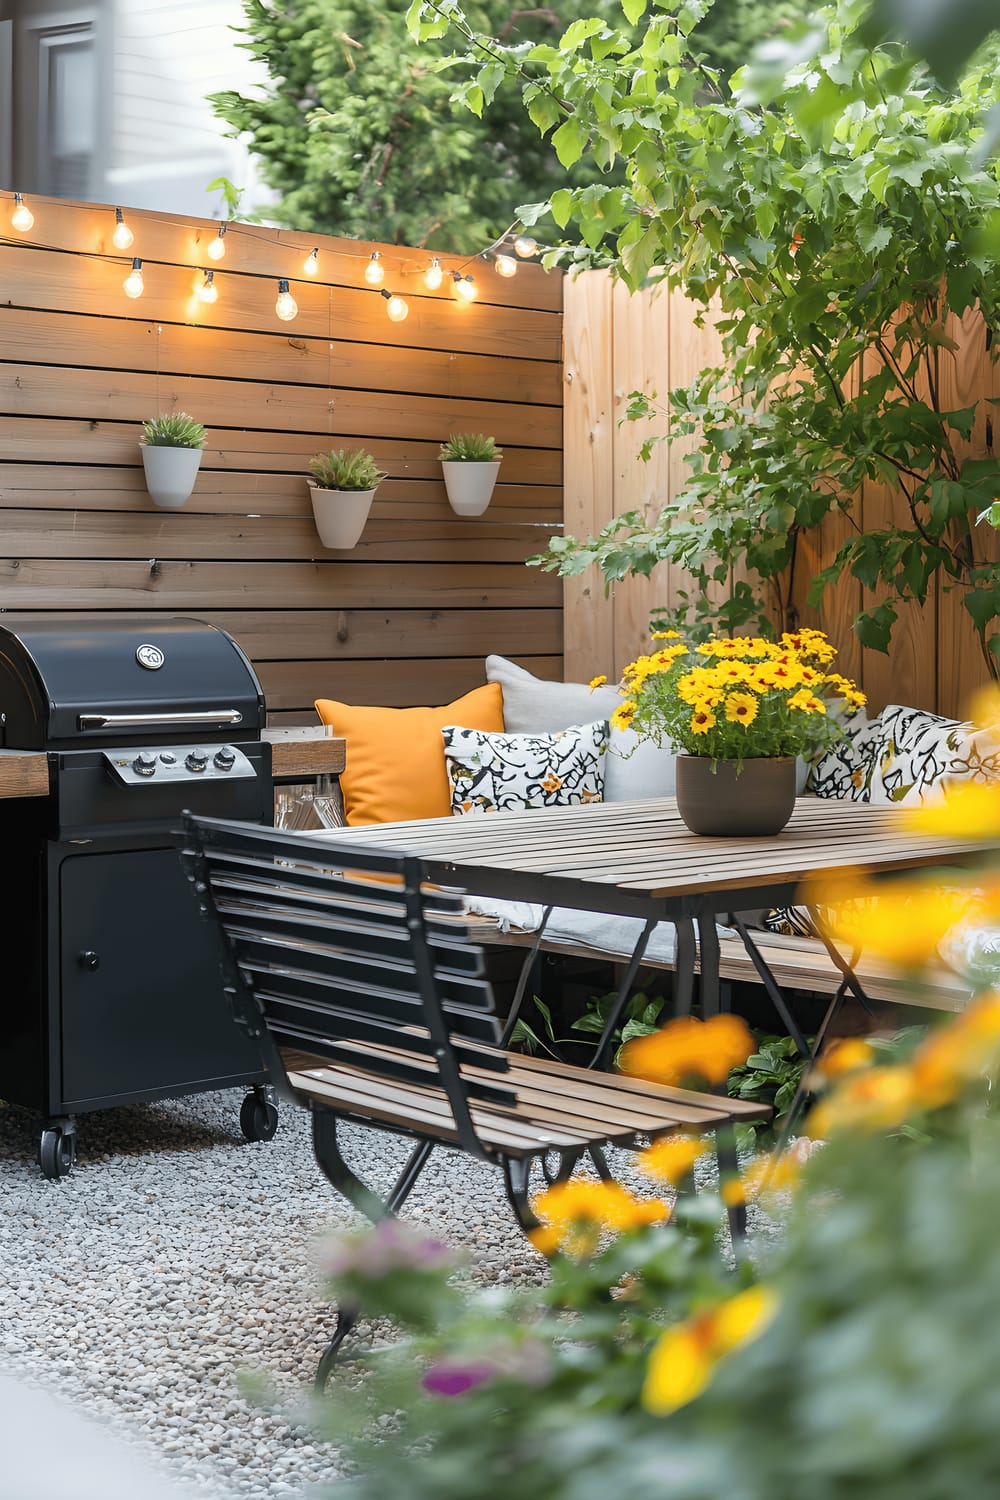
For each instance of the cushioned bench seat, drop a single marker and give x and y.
(797, 963)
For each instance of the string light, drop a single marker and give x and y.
(22, 218)
(123, 238)
(133, 283)
(397, 309)
(217, 247)
(286, 306)
(463, 284)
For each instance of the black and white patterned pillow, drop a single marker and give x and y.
(916, 755)
(842, 772)
(905, 755)
(499, 772)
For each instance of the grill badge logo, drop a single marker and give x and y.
(150, 656)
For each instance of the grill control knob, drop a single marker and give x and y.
(144, 764)
(225, 758)
(196, 760)
(89, 960)
(168, 759)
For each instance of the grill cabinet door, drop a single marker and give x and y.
(143, 1011)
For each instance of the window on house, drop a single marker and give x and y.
(54, 121)
(67, 111)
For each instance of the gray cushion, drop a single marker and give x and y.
(632, 768)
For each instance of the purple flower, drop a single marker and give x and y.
(455, 1378)
(391, 1246)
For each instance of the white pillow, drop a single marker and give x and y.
(499, 772)
(633, 768)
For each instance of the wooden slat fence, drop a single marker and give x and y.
(404, 618)
(617, 343)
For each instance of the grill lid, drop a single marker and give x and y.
(70, 679)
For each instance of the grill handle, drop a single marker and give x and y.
(138, 721)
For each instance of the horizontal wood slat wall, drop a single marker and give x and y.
(651, 341)
(407, 616)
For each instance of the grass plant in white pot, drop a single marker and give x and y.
(171, 451)
(471, 462)
(342, 488)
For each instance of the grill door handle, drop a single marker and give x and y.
(138, 721)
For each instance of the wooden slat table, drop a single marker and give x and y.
(638, 859)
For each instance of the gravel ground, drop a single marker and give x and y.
(177, 1255)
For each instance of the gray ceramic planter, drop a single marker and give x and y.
(712, 799)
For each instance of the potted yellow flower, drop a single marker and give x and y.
(740, 710)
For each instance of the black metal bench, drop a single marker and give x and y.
(360, 985)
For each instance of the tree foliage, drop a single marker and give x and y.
(358, 132)
(833, 211)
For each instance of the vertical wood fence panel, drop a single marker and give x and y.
(655, 343)
(404, 618)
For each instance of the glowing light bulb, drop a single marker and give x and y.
(123, 238)
(22, 218)
(286, 306)
(133, 283)
(396, 308)
(208, 291)
(375, 270)
(505, 265)
(311, 263)
(463, 287)
(434, 275)
(525, 246)
(217, 247)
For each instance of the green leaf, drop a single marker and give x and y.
(569, 141)
(574, 36)
(633, 10)
(873, 627)
(983, 605)
(543, 110)
(561, 204)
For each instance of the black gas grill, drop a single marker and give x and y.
(110, 985)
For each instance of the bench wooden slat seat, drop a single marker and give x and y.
(559, 1106)
(366, 995)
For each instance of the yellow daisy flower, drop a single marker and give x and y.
(702, 720)
(684, 1357)
(741, 708)
(807, 702)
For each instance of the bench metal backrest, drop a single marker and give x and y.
(346, 954)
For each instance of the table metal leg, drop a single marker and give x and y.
(605, 1046)
(708, 951)
(771, 986)
(684, 966)
(514, 1015)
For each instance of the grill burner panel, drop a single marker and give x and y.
(150, 765)
(113, 991)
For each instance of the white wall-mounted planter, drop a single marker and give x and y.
(469, 485)
(170, 473)
(340, 515)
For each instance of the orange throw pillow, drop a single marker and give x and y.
(395, 767)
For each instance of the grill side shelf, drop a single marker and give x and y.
(24, 773)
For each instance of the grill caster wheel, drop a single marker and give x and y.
(258, 1117)
(57, 1151)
